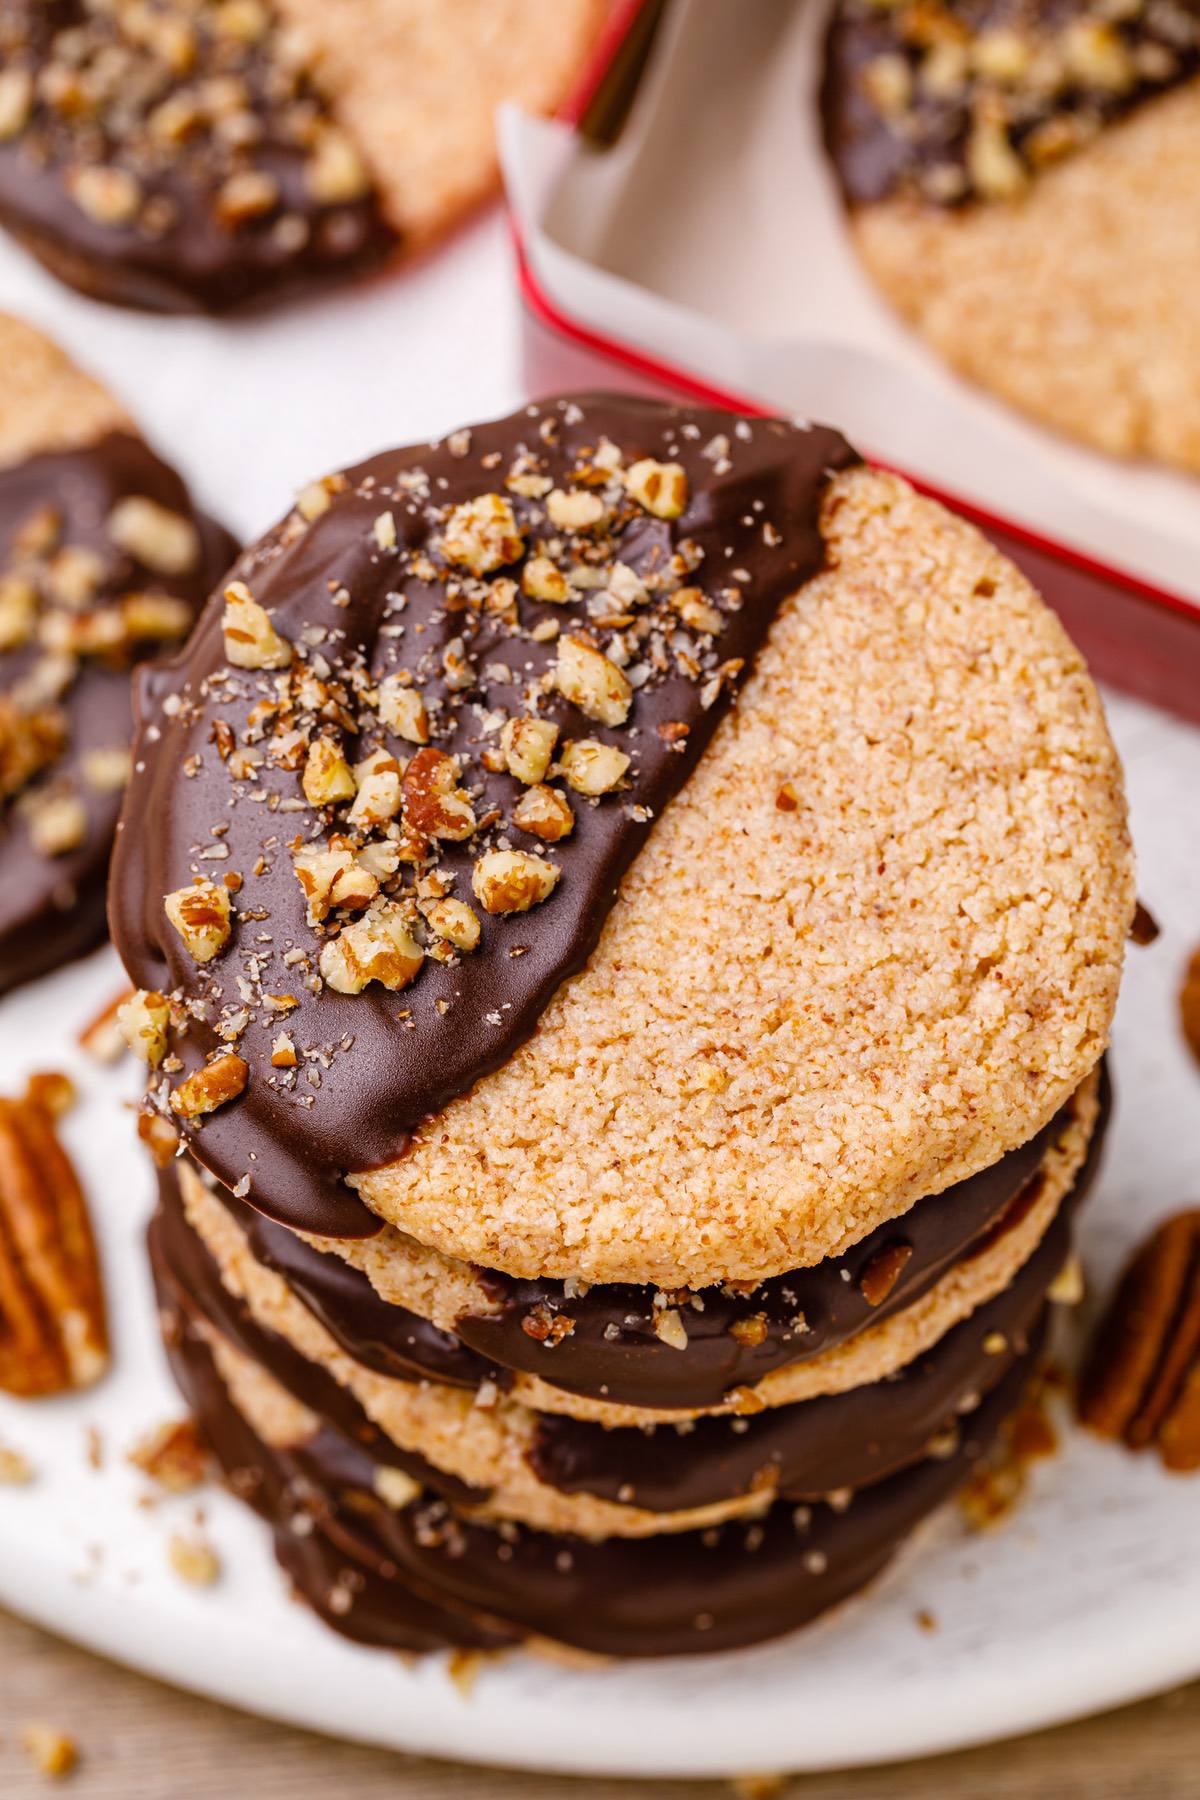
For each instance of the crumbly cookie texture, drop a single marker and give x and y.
(1075, 301)
(46, 403)
(417, 85)
(486, 1445)
(873, 945)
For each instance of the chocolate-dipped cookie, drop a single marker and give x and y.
(104, 561)
(567, 900)
(564, 1474)
(1018, 181)
(177, 156)
(627, 905)
(391, 1565)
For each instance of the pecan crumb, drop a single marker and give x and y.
(52, 1752)
(1145, 927)
(194, 1560)
(173, 1455)
(882, 1272)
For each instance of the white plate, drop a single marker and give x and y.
(1088, 1597)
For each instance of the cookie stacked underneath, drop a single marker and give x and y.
(627, 905)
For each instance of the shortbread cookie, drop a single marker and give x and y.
(1019, 184)
(611, 1353)
(103, 560)
(181, 154)
(871, 944)
(561, 1474)
(393, 1566)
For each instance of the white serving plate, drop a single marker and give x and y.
(1087, 1597)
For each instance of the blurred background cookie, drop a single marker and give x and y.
(191, 154)
(103, 561)
(1021, 184)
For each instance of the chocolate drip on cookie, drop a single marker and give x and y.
(103, 560)
(806, 1450)
(967, 100)
(175, 157)
(385, 801)
(613, 1342)
(426, 1574)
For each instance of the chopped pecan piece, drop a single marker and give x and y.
(593, 768)
(482, 534)
(160, 539)
(528, 745)
(215, 1085)
(434, 804)
(662, 488)
(1142, 1379)
(509, 881)
(379, 947)
(201, 916)
(173, 1455)
(53, 1333)
(883, 1271)
(545, 813)
(403, 711)
(453, 920)
(251, 641)
(592, 682)
(143, 1020)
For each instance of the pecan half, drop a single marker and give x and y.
(53, 1332)
(1142, 1379)
(1189, 1005)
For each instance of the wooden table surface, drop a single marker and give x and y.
(139, 1741)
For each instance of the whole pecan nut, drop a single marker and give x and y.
(1142, 1379)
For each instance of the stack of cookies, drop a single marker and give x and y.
(627, 904)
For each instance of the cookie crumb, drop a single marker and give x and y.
(925, 1620)
(16, 1470)
(464, 1668)
(173, 1455)
(53, 1753)
(194, 1560)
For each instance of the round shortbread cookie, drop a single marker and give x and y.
(487, 1446)
(180, 156)
(798, 1022)
(1077, 301)
(1019, 185)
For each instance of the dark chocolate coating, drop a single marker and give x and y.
(52, 909)
(393, 1060)
(876, 156)
(188, 260)
(389, 1339)
(186, 1276)
(806, 1450)
(613, 1352)
(428, 1575)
